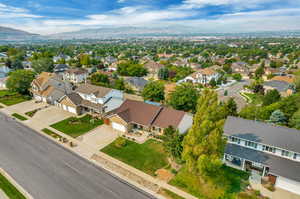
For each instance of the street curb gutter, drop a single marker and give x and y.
(13, 182)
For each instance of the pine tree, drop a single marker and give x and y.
(278, 117)
(203, 145)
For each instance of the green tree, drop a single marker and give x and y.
(278, 117)
(231, 107)
(20, 81)
(163, 73)
(295, 120)
(259, 72)
(203, 146)
(85, 60)
(131, 69)
(43, 65)
(99, 79)
(212, 82)
(173, 142)
(237, 76)
(154, 91)
(184, 97)
(271, 97)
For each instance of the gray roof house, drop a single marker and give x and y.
(265, 150)
(138, 83)
(60, 68)
(284, 88)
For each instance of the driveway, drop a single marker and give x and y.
(234, 91)
(23, 107)
(99, 137)
(47, 117)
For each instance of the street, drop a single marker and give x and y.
(49, 171)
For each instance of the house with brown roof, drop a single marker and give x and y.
(153, 68)
(136, 115)
(49, 87)
(75, 75)
(202, 76)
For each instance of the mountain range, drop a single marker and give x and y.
(15, 34)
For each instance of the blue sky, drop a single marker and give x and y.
(54, 16)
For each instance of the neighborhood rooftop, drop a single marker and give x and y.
(282, 137)
(98, 91)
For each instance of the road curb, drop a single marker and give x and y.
(17, 185)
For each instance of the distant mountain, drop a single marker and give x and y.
(124, 32)
(10, 34)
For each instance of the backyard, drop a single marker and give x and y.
(147, 157)
(77, 126)
(9, 98)
(9, 189)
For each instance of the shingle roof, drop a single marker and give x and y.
(98, 91)
(138, 82)
(277, 165)
(167, 117)
(281, 86)
(277, 136)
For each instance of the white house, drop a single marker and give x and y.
(265, 150)
(75, 75)
(202, 76)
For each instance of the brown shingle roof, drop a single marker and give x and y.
(288, 79)
(42, 78)
(76, 71)
(168, 117)
(98, 91)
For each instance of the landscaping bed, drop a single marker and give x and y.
(11, 191)
(147, 157)
(9, 98)
(51, 133)
(75, 126)
(19, 117)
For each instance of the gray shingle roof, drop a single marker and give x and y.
(281, 86)
(277, 165)
(278, 136)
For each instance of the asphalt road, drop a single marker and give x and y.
(48, 171)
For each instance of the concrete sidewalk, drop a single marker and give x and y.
(3, 195)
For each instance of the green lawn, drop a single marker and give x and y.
(20, 117)
(147, 157)
(228, 183)
(51, 133)
(9, 98)
(9, 189)
(31, 113)
(253, 98)
(75, 127)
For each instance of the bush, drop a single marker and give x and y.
(120, 142)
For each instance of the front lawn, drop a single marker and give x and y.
(9, 98)
(51, 133)
(228, 183)
(252, 98)
(18, 116)
(147, 157)
(11, 191)
(75, 126)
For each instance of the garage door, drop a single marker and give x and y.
(288, 185)
(71, 109)
(118, 127)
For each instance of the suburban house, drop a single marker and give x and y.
(93, 99)
(61, 57)
(140, 116)
(153, 68)
(240, 67)
(270, 153)
(4, 70)
(137, 83)
(60, 68)
(75, 75)
(283, 87)
(49, 87)
(202, 76)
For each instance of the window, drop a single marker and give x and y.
(251, 144)
(269, 149)
(234, 139)
(285, 153)
(295, 156)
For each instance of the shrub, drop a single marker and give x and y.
(120, 142)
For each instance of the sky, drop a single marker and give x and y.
(56, 16)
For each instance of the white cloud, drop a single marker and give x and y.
(9, 12)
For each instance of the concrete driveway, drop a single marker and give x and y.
(47, 117)
(23, 107)
(99, 137)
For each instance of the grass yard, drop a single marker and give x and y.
(9, 98)
(51, 133)
(11, 191)
(227, 184)
(253, 98)
(147, 157)
(19, 117)
(75, 126)
(31, 113)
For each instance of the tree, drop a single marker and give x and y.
(203, 146)
(43, 65)
(271, 97)
(20, 81)
(295, 120)
(131, 69)
(259, 72)
(212, 82)
(163, 73)
(16, 64)
(278, 117)
(85, 60)
(184, 97)
(99, 79)
(237, 76)
(173, 142)
(259, 89)
(231, 107)
(154, 91)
